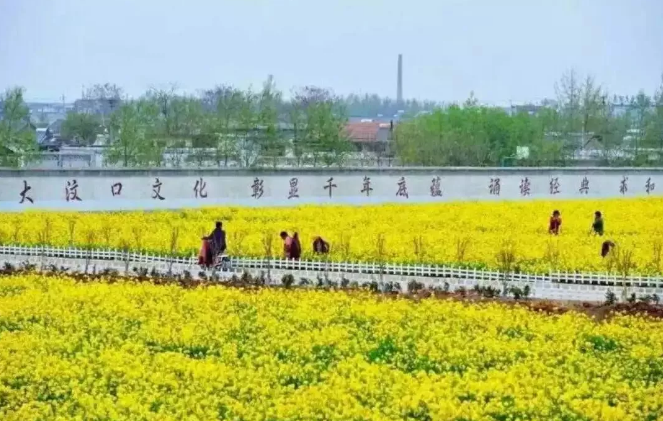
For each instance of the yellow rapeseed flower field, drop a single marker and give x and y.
(129, 351)
(471, 233)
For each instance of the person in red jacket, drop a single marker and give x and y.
(555, 223)
(205, 257)
(287, 245)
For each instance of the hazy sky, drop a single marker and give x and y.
(507, 50)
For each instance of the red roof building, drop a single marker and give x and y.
(369, 135)
(368, 131)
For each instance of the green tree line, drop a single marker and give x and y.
(230, 126)
(613, 130)
(219, 126)
(225, 125)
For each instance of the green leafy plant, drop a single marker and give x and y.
(610, 298)
(288, 280)
(413, 287)
(506, 260)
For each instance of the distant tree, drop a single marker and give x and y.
(296, 117)
(124, 146)
(583, 109)
(270, 135)
(612, 134)
(248, 122)
(654, 134)
(186, 117)
(220, 131)
(469, 135)
(641, 114)
(81, 126)
(321, 117)
(136, 141)
(163, 99)
(18, 140)
(100, 99)
(593, 106)
(569, 98)
(586, 114)
(471, 101)
(179, 115)
(178, 122)
(337, 141)
(104, 91)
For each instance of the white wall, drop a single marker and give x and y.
(51, 189)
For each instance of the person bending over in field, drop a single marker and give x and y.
(296, 247)
(606, 247)
(320, 246)
(597, 225)
(555, 223)
(287, 245)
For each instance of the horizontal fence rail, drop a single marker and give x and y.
(321, 267)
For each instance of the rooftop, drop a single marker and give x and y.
(366, 131)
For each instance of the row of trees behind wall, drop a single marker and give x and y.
(229, 126)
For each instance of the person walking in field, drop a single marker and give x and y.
(597, 225)
(555, 223)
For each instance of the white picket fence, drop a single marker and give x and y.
(418, 271)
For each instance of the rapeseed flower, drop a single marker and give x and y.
(125, 351)
(468, 233)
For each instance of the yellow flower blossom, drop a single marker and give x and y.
(467, 233)
(126, 351)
